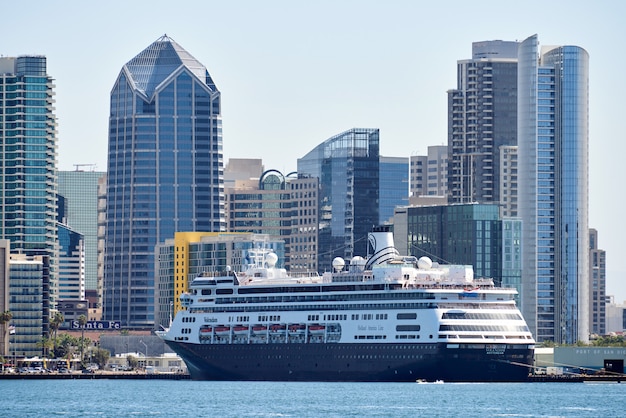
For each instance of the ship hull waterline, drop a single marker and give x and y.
(353, 362)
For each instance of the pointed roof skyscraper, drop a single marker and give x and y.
(159, 61)
(165, 174)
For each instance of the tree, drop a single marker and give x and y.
(82, 320)
(5, 318)
(55, 323)
(101, 357)
(46, 344)
(66, 346)
(132, 361)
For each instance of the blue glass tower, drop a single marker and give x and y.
(394, 186)
(553, 91)
(347, 166)
(165, 171)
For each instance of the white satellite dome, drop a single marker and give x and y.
(271, 259)
(357, 261)
(338, 263)
(424, 263)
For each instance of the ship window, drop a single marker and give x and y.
(206, 291)
(412, 315)
(407, 328)
(224, 291)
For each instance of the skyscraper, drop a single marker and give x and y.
(597, 290)
(28, 149)
(347, 166)
(553, 103)
(429, 173)
(482, 117)
(394, 186)
(165, 171)
(80, 189)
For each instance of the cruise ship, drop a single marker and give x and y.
(385, 318)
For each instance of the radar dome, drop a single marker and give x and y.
(338, 263)
(357, 261)
(424, 263)
(271, 259)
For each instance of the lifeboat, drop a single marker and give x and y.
(206, 330)
(277, 328)
(296, 328)
(222, 330)
(259, 329)
(240, 329)
(317, 329)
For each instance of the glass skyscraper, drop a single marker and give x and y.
(165, 171)
(28, 150)
(347, 166)
(71, 276)
(553, 95)
(394, 186)
(80, 189)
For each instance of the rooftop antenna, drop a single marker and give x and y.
(78, 167)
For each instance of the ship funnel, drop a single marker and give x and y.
(381, 240)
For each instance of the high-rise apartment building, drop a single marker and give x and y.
(508, 181)
(394, 186)
(80, 189)
(28, 149)
(347, 166)
(29, 290)
(482, 117)
(303, 241)
(597, 286)
(429, 173)
(5, 251)
(553, 102)
(165, 171)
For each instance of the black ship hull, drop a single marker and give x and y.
(357, 362)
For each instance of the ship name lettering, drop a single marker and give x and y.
(210, 319)
(362, 328)
(495, 349)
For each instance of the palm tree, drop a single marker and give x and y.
(55, 323)
(82, 320)
(5, 318)
(46, 344)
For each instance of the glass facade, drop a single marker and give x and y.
(28, 148)
(80, 189)
(28, 293)
(553, 191)
(347, 166)
(458, 234)
(394, 186)
(71, 278)
(165, 171)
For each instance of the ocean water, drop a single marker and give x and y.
(166, 398)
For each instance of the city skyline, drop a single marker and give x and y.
(303, 65)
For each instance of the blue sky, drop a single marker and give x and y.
(294, 73)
